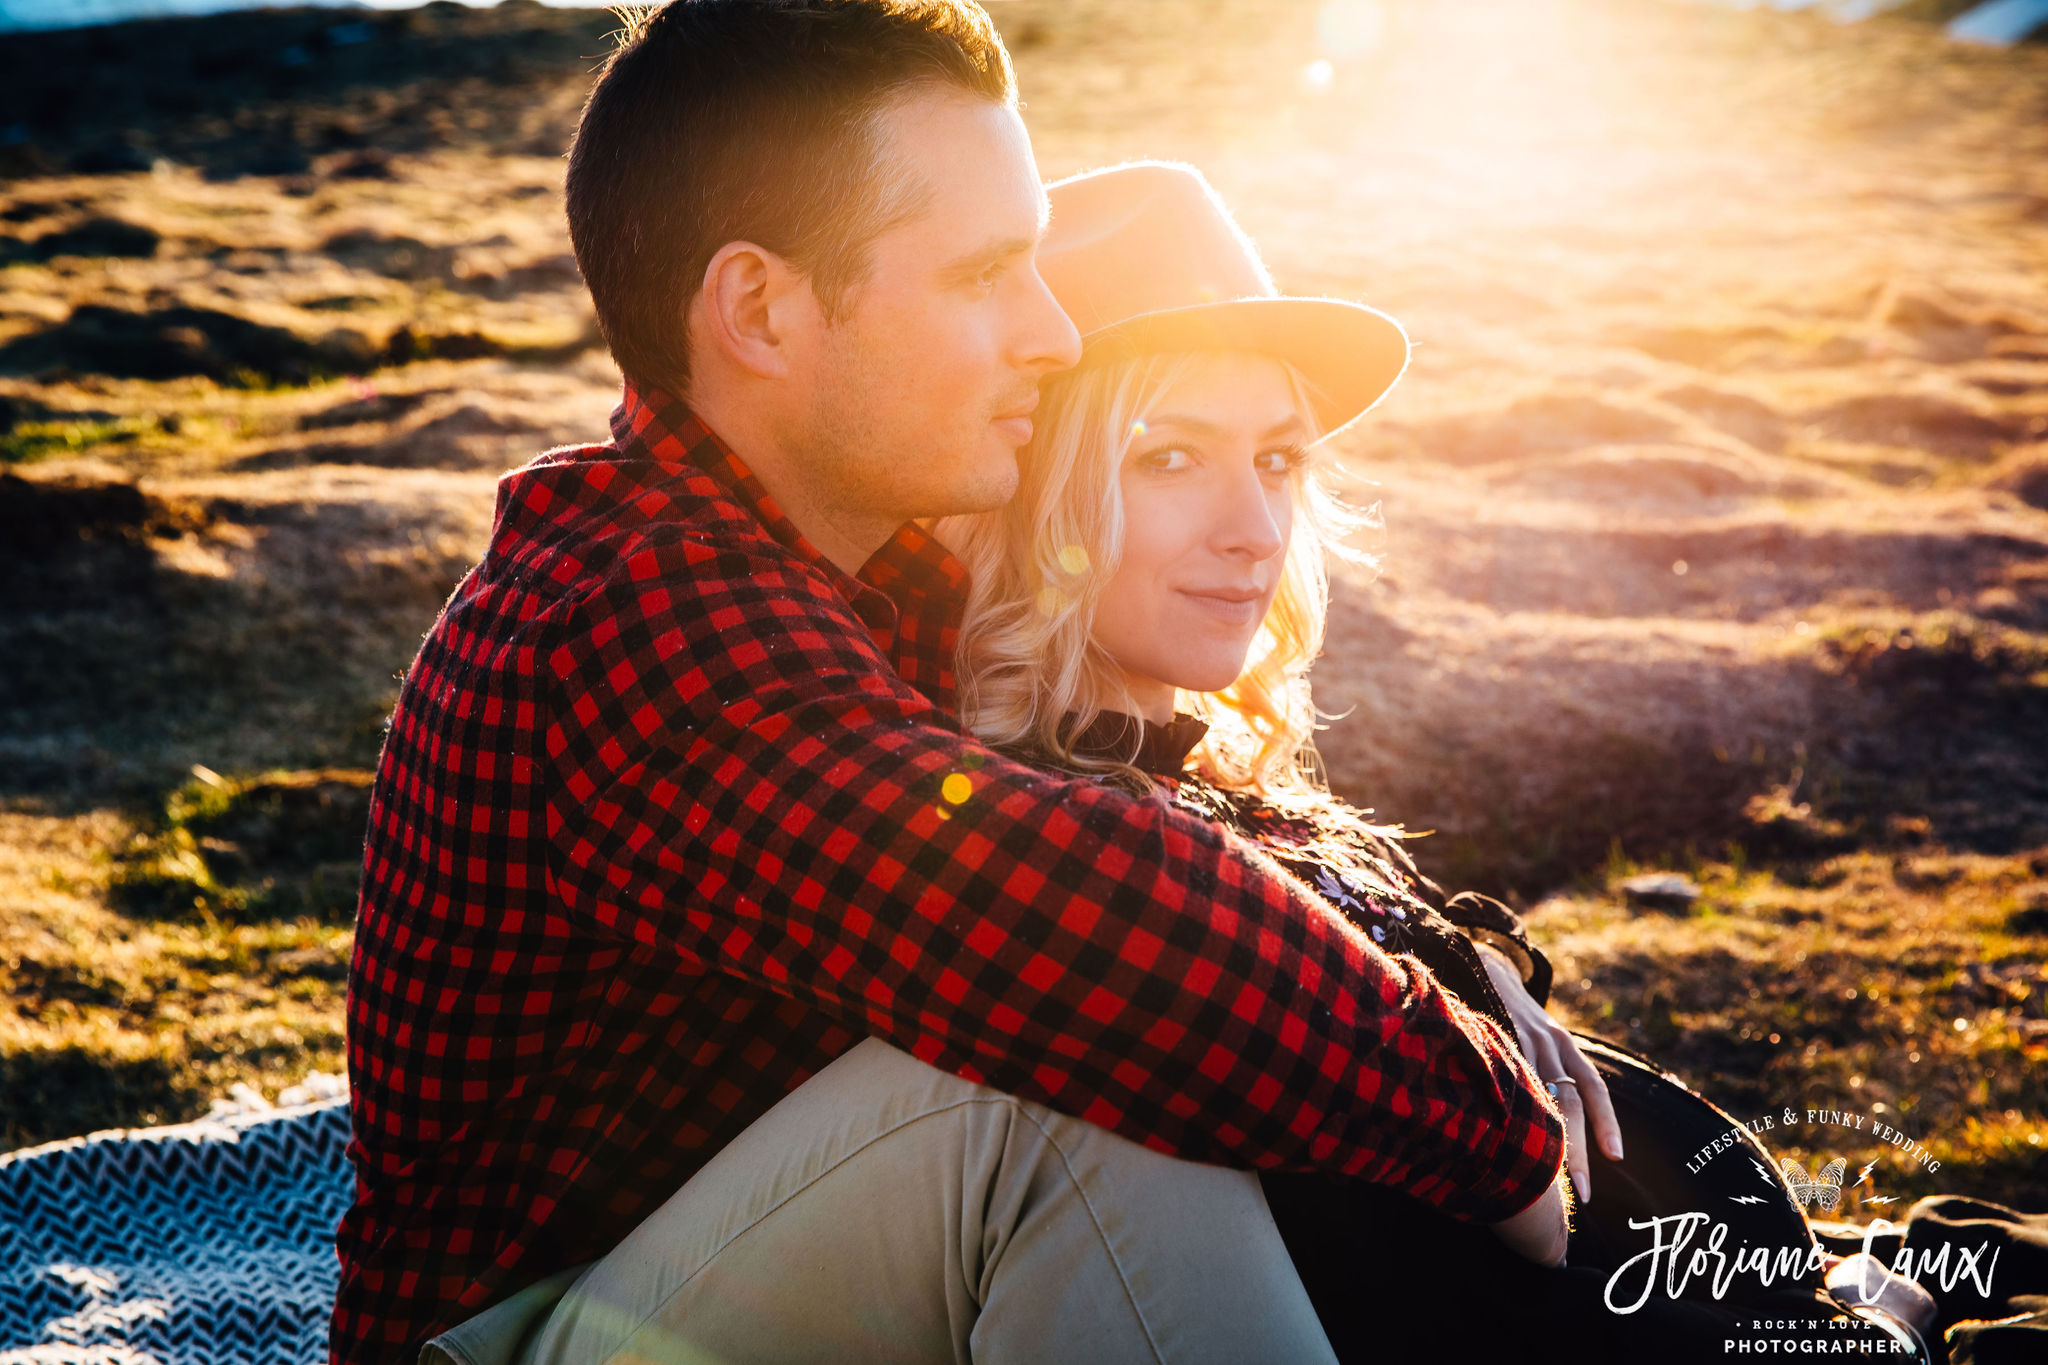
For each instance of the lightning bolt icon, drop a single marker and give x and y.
(1864, 1174)
(1745, 1199)
(1886, 1199)
(1763, 1174)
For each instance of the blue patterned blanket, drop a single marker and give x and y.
(208, 1243)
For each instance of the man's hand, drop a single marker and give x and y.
(1539, 1231)
(1550, 1048)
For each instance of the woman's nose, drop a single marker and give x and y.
(1245, 522)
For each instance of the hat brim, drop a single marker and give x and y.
(1350, 354)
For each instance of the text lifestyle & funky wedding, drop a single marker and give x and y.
(1833, 1117)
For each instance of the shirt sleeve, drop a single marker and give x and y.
(736, 775)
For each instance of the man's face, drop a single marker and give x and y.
(921, 391)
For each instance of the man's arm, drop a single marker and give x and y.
(738, 775)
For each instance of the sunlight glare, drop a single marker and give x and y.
(1348, 29)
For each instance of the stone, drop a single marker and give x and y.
(1661, 891)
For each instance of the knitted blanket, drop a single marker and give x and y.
(208, 1243)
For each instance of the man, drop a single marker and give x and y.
(672, 816)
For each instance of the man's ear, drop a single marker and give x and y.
(751, 303)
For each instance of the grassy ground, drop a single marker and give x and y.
(1713, 503)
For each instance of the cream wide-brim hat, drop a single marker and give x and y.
(1145, 258)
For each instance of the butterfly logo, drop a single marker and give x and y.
(1823, 1191)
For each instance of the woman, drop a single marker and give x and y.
(1166, 549)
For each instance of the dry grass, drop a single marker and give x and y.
(1714, 507)
(1908, 987)
(117, 1019)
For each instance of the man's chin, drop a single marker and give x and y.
(989, 485)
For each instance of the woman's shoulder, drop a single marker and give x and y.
(1308, 823)
(1335, 841)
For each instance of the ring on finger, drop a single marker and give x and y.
(1552, 1085)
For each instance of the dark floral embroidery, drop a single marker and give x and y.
(1349, 894)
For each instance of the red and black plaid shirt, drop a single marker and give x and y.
(672, 813)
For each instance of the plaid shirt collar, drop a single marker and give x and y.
(910, 593)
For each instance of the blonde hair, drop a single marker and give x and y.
(1027, 657)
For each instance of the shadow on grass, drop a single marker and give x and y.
(284, 846)
(1882, 736)
(181, 342)
(125, 670)
(67, 1091)
(167, 343)
(266, 92)
(1953, 721)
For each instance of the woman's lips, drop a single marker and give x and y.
(1233, 606)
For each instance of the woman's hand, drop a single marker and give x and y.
(1863, 1278)
(1539, 1232)
(1551, 1050)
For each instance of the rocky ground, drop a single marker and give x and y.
(1715, 505)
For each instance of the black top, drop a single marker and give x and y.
(1367, 877)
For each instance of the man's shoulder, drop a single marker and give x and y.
(600, 493)
(586, 518)
(599, 541)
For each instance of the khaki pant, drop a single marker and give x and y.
(890, 1211)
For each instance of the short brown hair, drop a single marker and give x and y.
(717, 121)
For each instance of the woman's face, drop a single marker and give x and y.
(1208, 492)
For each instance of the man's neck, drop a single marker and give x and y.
(847, 536)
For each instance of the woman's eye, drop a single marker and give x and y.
(1281, 461)
(989, 278)
(1167, 460)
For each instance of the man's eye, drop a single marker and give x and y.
(989, 278)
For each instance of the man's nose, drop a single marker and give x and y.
(1046, 339)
